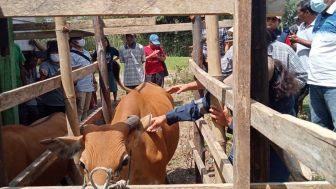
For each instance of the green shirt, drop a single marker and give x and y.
(19, 59)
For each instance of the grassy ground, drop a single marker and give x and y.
(176, 63)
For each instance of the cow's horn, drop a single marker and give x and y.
(146, 121)
(133, 121)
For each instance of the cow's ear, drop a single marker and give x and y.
(133, 122)
(64, 147)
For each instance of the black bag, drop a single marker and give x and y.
(165, 70)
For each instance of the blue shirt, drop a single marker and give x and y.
(55, 97)
(85, 84)
(189, 112)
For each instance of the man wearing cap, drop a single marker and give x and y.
(273, 23)
(155, 57)
(133, 56)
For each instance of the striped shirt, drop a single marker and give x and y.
(291, 61)
(133, 57)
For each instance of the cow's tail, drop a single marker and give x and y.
(116, 75)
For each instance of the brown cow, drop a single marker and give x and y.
(21, 146)
(110, 146)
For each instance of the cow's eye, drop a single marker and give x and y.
(125, 161)
(81, 164)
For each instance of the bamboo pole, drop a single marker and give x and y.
(66, 76)
(102, 65)
(241, 94)
(214, 69)
(69, 91)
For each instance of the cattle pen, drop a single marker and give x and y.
(256, 125)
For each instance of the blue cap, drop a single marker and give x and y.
(154, 39)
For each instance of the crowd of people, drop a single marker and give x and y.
(141, 63)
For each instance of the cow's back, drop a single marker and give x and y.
(21, 145)
(153, 150)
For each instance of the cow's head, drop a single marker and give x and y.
(100, 146)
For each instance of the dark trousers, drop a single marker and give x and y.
(47, 110)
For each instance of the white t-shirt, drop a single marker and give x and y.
(304, 32)
(322, 57)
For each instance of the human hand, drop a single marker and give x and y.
(293, 38)
(177, 89)
(156, 123)
(220, 116)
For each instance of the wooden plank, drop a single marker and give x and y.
(285, 185)
(313, 145)
(102, 66)
(260, 147)
(215, 87)
(48, 34)
(157, 28)
(93, 117)
(216, 151)
(86, 24)
(19, 95)
(19, 8)
(34, 170)
(114, 31)
(241, 94)
(199, 163)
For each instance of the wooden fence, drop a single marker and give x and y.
(311, 144)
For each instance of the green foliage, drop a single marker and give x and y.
(290, 13)
(178, 70)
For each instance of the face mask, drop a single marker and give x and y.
(54, 57)
(318, 5)
(81, 42)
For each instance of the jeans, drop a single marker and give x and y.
(157, 78)
(323, 106)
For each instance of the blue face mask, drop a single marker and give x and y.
(318, 5)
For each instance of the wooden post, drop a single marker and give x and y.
(68, 86)
(102, 65)
(241, 92)
(66, 76)
(197, 45)
(214, 69)
(260, 147)
(4, 53)
(198, 58)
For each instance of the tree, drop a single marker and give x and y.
(290, 13)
